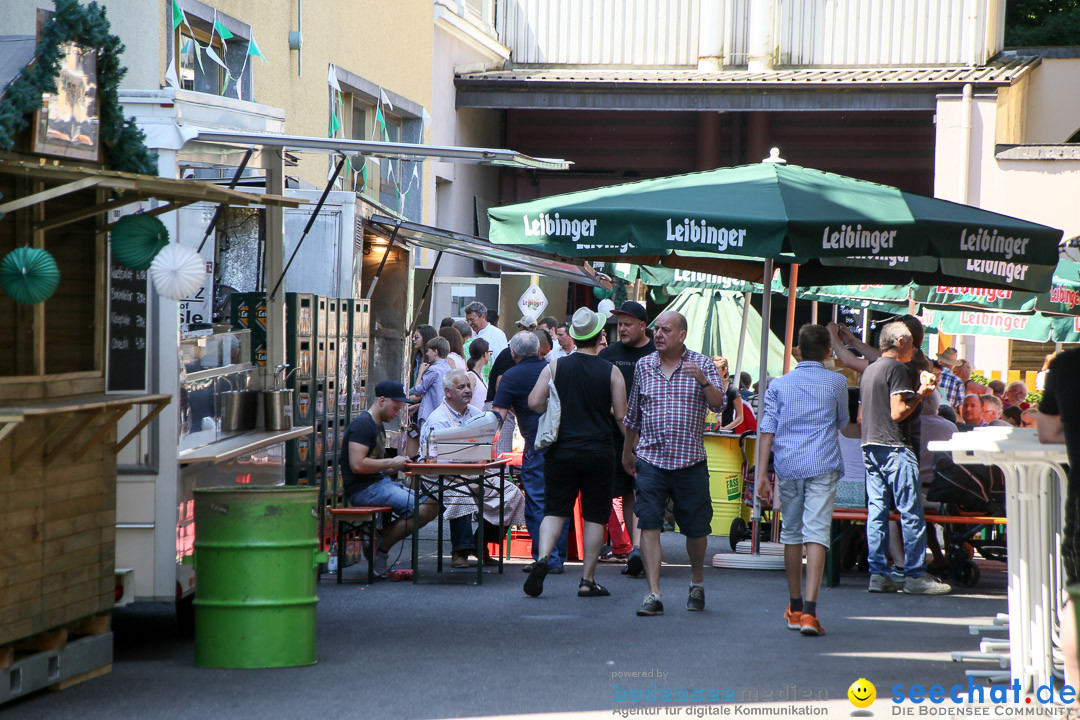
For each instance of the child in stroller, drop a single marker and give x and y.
(969, 490)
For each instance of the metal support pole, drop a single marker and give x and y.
(274, 162)
(742, 339)
(789, 324)
(813, 312)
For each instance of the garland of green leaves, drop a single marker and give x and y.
(87, 26)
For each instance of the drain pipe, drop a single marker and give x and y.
(710, 36)
(759, 50)
(966, 112)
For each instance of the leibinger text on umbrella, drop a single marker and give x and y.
(1009, 271)
(987, 294)
(554, 226)
(983, 240)
(848, 237)
(997, 321)
(701, 233)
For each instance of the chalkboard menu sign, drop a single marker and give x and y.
(128, 311)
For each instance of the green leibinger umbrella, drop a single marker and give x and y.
(137, 239)
(829, 223)
(29, 275)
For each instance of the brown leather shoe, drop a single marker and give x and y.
(459, 559)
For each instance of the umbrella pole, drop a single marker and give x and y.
(742, 339)
(813, 312)
(755, 560)
(789, 325)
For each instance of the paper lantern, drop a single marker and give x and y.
(178, 272)
(29, 275)
(137, 239)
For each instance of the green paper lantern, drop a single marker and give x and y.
(600, 293)
(137, 239)
(29, 275)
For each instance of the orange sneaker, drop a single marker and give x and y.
(809, 625)
(793, 618)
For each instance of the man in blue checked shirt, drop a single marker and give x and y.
(804, 412)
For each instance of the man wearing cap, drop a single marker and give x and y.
(513, 394)
(581, 459)
(476, 314)
(368, 475)
(665, 451)
(634, 344)
(951, 387)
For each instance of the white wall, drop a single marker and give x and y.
(1042, 191)
(1053, 104)
(138, 24)
(458, 183)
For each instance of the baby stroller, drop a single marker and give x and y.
(969, 490)
(740, 530)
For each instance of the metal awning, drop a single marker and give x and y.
(782, 89)
(128, 188)
(477, 248)
(357, 148)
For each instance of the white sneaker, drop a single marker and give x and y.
(881, 584)
(381, 558)
(926, 585)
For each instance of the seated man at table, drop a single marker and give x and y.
(369, 476)
(456, 410)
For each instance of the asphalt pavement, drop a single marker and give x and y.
(399, 650)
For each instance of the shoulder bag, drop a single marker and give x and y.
(547, 432)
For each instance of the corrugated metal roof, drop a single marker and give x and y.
(994, 74)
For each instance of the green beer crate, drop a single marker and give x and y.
(330, 327)
(300, 311)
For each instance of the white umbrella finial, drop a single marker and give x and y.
(774, 157)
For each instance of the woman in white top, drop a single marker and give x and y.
(456, 357)
(479, 356)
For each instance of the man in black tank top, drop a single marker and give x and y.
(634, 344)
(582, 458)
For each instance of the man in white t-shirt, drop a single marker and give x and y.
(476, 316)
(564, 346)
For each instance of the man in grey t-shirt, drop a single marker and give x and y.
(892, 468)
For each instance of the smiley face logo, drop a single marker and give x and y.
(862, 693)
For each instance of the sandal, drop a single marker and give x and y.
(589, 588)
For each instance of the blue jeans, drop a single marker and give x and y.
(532, 480)
(895, 471)
(461, 533)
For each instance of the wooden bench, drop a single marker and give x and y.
(832, 565)
(347, 518)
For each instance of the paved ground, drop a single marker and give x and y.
(402, 651)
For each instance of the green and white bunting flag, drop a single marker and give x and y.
(177, 15)
(222, 31)
(253, 49)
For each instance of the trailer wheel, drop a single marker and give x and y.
(737, 532)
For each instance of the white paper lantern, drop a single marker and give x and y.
(178, 272)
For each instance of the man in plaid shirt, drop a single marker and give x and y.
(665, 419)
(953, 387)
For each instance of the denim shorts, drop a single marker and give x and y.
(807, 508)
(688, 489)
(385, 492)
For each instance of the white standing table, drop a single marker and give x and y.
(1035, 483)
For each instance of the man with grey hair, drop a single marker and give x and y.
(476, 315)
(513, 394)
(892, 468)
(992, 408)
(456, 410)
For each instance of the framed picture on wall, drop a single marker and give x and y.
(68, 123)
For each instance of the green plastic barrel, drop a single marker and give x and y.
(256, 559)
(725, 480)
